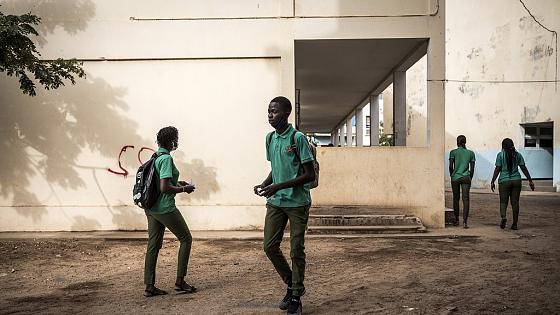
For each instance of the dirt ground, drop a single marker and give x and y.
(509, 272)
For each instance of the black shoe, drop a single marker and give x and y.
(456, 222)
(465, 225)
(503, 224)
(295, 306)
(514, 227)
(286, 300)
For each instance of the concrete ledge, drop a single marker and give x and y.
(218, 235)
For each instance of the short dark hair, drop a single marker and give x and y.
(166, 135)
(283, 102)
(461, 140)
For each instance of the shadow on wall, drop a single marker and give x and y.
(44, 135)
(204, 177)
(72, 15)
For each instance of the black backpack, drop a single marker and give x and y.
(314, 183)
(146, 191)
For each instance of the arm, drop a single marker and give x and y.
(307, 176)
(497, 171)
(166, 187)
(451, 166)
(472, 169)
(266, 182)
(526, 172)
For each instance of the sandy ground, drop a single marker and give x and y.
(509, 272)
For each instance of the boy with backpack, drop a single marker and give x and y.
(288, 199)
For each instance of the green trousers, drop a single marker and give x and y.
(510, 191)
(462, 185)
(157, 223)
(274, 225)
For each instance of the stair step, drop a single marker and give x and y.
(374, 229)
(362, 220)
(539, 188)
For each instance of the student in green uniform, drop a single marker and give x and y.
(461, 170)
(507, 163)
(288, 199)
(164, 214)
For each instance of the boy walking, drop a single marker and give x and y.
(460, 161)
(288, 199)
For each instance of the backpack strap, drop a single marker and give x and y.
(294, 146)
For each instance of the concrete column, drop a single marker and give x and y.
(399, 110)
(336, 136)
(360, 127)
(349, 131)
(374, 120)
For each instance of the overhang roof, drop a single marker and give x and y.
(335, 76)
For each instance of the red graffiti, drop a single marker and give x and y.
(124, 172)
(140, 152)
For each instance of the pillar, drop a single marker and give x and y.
(360, 127)
(349, 131)
(399, 109)
(374, 120)
(336, 137)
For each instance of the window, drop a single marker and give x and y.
(368, 125)
(538, 136)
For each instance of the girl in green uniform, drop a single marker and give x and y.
(507, 163)
(164, 214)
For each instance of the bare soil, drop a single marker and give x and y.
(501, 271)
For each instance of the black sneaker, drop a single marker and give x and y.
(286, 300)
(514, 227)
(503, 224)
(456, 222)
(295, 306)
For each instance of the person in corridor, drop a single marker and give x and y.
(508, 162)
(164, 214)
(461, 170)
(288, 199)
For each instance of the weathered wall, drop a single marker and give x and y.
(212, 78)
(385, 178)
(501, 73)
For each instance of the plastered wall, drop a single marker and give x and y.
(208, 70)
(502, 71)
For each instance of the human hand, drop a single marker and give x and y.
(492, 186)
(257, 189)
(532, 185)
(188, 188)
(269, 190)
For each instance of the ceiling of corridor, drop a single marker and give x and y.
(334, 76)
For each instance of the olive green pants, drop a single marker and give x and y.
(510, 191)
(274, 225)
(462, 185)
(157, 223)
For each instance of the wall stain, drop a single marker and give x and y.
(530, 113)
(478, 117)
(475, 52)
(473, 90)
(541, 51)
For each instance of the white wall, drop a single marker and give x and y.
(211, 77)
(501, 70)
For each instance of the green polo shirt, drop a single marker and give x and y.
(286, 166)
(166, 169)
(505, 175)
(462, 157)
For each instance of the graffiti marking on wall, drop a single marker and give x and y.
(123, 171)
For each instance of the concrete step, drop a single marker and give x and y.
(362, 220)
(375, 229)
(544, 185)
(364, 224)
